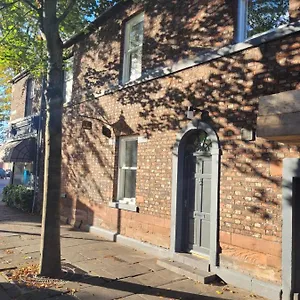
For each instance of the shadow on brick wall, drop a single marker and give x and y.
(228, 88)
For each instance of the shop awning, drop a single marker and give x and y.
(18, 151)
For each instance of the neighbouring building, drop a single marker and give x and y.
(23, 149)
(22, 145)
(181, 136)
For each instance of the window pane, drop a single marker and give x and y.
(68, 72)
(129, 183)
(264, 15)
(30, 88)
(68, 90)
(130, 153)
(135, 64)
(29, 97)
(136, 35)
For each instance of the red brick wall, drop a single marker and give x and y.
(294, 9)
(18, 99)
(18, 102)
(174, 32)
(229, 88)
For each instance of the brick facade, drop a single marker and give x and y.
(19, 94)
(228, 88)
(17, 117)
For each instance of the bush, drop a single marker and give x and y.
(18, 196)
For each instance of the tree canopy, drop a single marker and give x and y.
(5, 94)
(23, 44)
(264, 15)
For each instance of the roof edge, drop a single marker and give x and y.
(19, 76)
(93, 26)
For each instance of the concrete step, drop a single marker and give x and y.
(188, 271)
(192, 261)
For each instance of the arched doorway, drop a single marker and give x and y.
(197, 192)
(195, 196)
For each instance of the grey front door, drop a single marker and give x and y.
(199, 206)
(197, 193)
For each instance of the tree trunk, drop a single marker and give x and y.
(50, 263)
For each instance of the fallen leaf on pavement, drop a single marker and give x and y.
(29, 276)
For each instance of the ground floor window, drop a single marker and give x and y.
(127, 169)
(23, 174)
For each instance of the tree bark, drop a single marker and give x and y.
(50, 262)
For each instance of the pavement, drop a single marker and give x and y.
(94, 268)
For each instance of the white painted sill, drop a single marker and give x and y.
(123, 206)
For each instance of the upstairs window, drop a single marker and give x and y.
(133, 44)
(127, 170)
(258, 16)
(29, 97)
(68, 80)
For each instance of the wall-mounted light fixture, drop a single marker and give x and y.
(13, 131)
(87, 125)
(191, 111)
(106, 131)
(247, 134)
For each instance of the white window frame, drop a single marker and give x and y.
(126, 58)
(68, 79)
(121, 179)
(242, 21)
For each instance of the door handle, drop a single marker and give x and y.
(199, 214)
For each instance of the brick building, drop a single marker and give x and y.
(22, 145)
(181, 126)
(159, 141)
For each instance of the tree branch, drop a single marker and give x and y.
(67, 10)
(30, 4)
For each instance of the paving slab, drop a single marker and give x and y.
(29, 249)
(96, 271)
(133, 258)
(63, 297)
(73, 256)
(185, 285)
(169, 275)
(134, 297)
(100, 264)
(39, 294)
(4, 295)
(130, 284)
(103, 293)
(110, 270)
(153, 279)
(126, 271)
(18, 260)
(151, 264)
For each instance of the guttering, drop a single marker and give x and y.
(19, 76)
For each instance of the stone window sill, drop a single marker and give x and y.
(123, 206)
